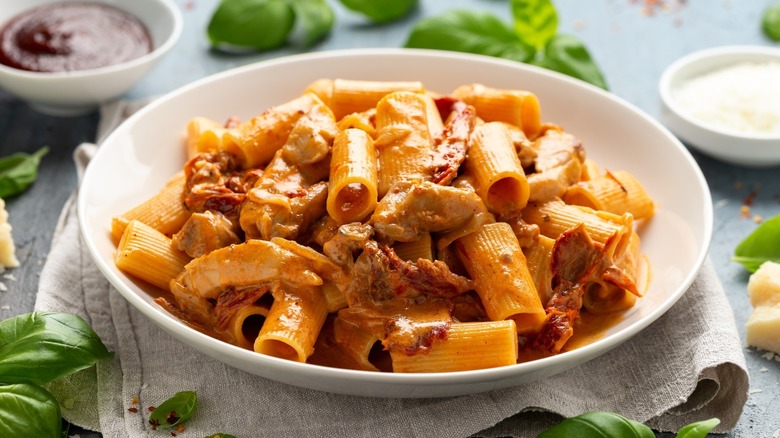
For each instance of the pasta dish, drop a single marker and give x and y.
(380, 226)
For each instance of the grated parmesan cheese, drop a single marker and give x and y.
(744, 97)
(7, 249)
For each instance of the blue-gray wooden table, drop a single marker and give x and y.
(632, 41)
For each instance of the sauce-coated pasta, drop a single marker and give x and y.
(379, 227)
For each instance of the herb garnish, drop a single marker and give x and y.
(762, 245)
(770, 22)
(532, 39)
(19, 171)
(611, 425)
(36, 349)
(174, 411)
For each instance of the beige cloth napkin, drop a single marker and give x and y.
(685, 367)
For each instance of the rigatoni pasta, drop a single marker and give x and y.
(378, 226)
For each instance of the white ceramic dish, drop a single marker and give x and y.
(138, 157)
(746, 149)
(78, 92)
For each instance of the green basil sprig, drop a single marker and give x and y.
(266, 24)
(611, 425)
(471, 32)
(175, 410)
(699, 429)
(533, 38)
(40, 347)
(762, 245)
(28, 410)
(770, 22)
(381, 11)
(35, 349)
(19, 171)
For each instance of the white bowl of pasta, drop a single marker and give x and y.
(457, 229)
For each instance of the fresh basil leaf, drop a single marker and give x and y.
(19, 171)
(699, 429)
(41, 347)
(472, 32)
(221, 435)
(315, 17)
(598, 425)
(381, 11)
(29, 410)
(770, 22)
(762, 245)
(536, 21)
(255, 24)
(568, 55)
(175, 410)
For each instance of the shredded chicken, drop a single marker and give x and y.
(254, 263)
(286, 201)
(205, 232)
(408, 210)
(350, 238)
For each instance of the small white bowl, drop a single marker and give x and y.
(79, 92)
(741, 148)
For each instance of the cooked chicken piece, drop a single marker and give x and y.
(286, 201)
(347, 241)
(553, 182)
(555, 148)
(320, 264)
(524, 147)
(311, 136)
(526, 233)
(254, 263)
(408, 210)
(270, 215)
(205, 232)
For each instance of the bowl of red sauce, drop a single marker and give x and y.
(67, 57)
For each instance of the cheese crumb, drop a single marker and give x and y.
(7, 248)
(763, 324)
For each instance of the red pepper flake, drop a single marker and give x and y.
(134, 400)
(133, 410)
(172, 418)
(745, 210)
(173, 433)
(180, 428)
(154, 423)
(748, 200)
(651, 7)
(151, 408)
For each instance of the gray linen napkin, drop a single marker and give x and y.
(685, 367)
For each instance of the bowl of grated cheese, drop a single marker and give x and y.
(725, 102)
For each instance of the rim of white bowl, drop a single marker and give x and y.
(173, 35)
(566, 360)
(670, 78)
